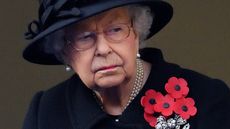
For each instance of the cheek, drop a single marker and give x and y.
(129, 50)
(81, 65)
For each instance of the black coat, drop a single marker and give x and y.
(70, 105)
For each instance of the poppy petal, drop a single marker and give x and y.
(144, 101)
(185, 116)
(185, 90)
(150, 92)
(167, 112)
(193, 111)
(149, 110)
(157, 108)
(173, 80)
(190, 101)
(153, 122)
(148, 117)
(158, 96)
(182, 82)
(168, 88)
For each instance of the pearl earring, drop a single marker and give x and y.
(138, 55)
(67, 68)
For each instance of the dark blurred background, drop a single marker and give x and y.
(198, 38)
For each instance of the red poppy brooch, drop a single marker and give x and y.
(172, 110)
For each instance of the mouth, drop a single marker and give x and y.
(107, 68)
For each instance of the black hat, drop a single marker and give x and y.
(56, 14)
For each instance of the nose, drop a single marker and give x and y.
(102, 46)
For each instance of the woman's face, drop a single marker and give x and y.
(106, 64)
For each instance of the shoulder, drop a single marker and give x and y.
(60, 89)
(46, 106)
(199, 83)
(204, 85)
(56, 94)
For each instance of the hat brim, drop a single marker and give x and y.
(35, 53)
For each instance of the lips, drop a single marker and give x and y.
(106, 68)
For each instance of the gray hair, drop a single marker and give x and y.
(142, 20)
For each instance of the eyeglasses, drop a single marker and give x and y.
(113, 33)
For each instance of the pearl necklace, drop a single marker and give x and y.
(137, 83)
(136, 87)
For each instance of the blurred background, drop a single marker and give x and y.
(198, 38)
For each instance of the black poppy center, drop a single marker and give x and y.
(177, 87)
(152, 101)
(166, 105)
(184, 108)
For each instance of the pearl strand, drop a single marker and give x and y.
(137, 83)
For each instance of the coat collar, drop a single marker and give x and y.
(85, 111)
(82, 105)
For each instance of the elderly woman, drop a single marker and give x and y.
(117, 84)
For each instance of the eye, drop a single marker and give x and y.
(114, 29)
(85, 36)
(84, 40)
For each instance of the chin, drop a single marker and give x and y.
(110, 81)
